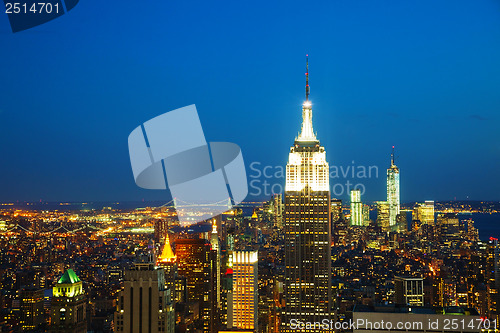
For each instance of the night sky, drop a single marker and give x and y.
(421, 75)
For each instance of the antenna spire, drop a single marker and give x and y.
(307, 77)
(392, 156)
(307, 133)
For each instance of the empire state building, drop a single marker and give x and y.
(307, 225)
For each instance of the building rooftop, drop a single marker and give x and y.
(393, 308)
(69, 277)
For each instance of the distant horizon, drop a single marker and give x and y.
(243, 202)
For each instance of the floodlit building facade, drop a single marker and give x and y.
(245, 291)
(357, 218)
(424, 212)
(383, 215)
(393, 198)
(307, 226)
(68, 305)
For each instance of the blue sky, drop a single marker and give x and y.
(421, 75)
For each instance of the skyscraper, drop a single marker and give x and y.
(424, 212)
(277, 212)
(144, 304)
(307, 285)
(409, 290)
(214, 241)
(356, 208)
(167, 261)
(493, 278)
(448, 226)
(197, 263)
(393, 191)
(245, 291)
(383, 212)
(31, 305)
(68, 305)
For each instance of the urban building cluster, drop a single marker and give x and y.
(290, 264)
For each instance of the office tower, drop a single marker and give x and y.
(277, 210)
(366, 215)
(409, 290)
(356, 208)
(214, 241)
(336, 209)
(167, 261)
(493, 278)
(393, 191)
(245, 291)
(448, 228)
(160, 229)
(307, 284)
(68, 305)
(230, 249)
(197, 263)
(227, 298)
(401, 222)
(472, 232)
(424, 212)
(383, 219)
(31, 305)
(144, 304)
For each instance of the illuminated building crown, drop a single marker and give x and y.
(167, 255)
(69, 285)
(307, 133)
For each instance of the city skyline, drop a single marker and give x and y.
(427, 87)
(133, 132)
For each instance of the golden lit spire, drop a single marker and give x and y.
(167, 255)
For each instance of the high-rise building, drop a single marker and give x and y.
(167, 261)
(160, 229)
(409, 290)
(273, 211)
(336, 209)
(472, 232)
(31, 306)
(401, 223)
(356, 208)
(278, 210)
(144, 304)
(383, 212)
(245, 291)
(493, 278)
(424, 212)
(307, 281)
(214, 241)
(366, 215)
(68, 305)
(393, 191)
(448, 226)
(197, 263)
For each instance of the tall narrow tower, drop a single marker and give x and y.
(307, 226)
(214, 241)
(393, 191)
